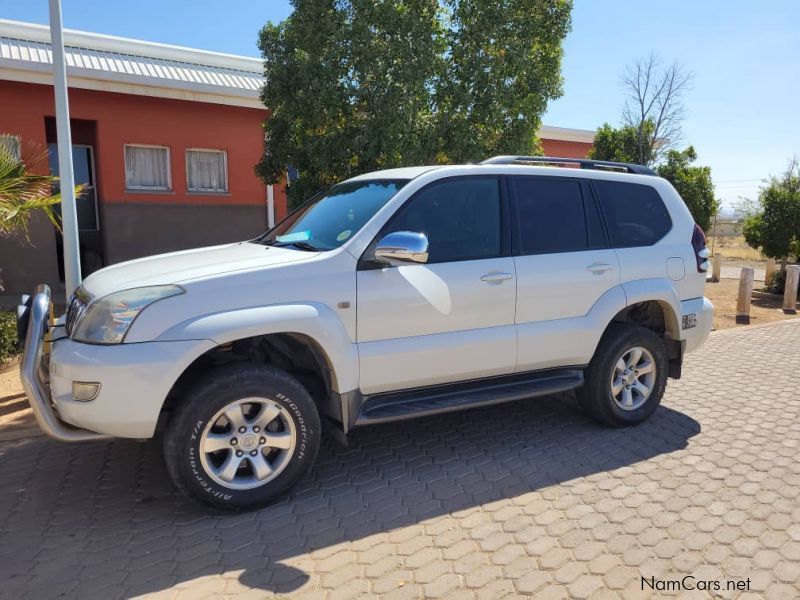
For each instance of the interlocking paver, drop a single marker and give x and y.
(533, 499)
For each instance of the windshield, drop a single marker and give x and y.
(332, 217)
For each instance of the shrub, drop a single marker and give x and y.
(777, 284)
(9, 346)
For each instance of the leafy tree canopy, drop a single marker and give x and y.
(358, 85)
(692, 183)
(621, 145)
(775, 229)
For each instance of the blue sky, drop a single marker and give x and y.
(743, 112)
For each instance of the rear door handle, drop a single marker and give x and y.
(496, 277)
(599, 268)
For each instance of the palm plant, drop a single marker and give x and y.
(23, 193)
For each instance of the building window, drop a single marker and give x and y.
(147, 167)
(206, 170)
(11, 144)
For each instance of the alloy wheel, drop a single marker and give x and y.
(633, 378)
(247, 443)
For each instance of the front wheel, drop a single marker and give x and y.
(242, 436)
(626, 378)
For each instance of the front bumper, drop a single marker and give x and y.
(134, 379)
(33, 371)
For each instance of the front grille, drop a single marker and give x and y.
(77, 306)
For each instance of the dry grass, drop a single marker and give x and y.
(734, 247)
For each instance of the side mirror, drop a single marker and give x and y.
(402, 247)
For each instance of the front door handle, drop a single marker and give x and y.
(599, 268)
(496, 277)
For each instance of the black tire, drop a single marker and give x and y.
(218, 389)
(596, 398)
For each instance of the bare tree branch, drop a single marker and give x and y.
(654, 105)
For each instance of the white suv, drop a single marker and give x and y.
(396, 294)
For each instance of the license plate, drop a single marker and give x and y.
(689, 321)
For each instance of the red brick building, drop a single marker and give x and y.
(165, 138)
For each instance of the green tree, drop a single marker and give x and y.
(775, 229)
(692, 183)
(358, 85)
(621, 145)
(502, 66)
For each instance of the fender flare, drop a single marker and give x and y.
(661, 291)
(312, 319)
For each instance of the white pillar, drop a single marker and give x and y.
(717, 268)
(69, 216)
(270, 206)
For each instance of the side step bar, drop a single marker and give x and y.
(394, 406)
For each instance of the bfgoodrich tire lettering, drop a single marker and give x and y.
(201, 421)
(597, 396)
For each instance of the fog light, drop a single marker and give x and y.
(84, 391)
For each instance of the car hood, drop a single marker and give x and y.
(177, 267)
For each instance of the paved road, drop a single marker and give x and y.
(531, 498)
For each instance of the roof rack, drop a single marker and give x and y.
(583, 163)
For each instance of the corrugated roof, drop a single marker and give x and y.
(133, 62)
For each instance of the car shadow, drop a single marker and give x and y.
(103, 518)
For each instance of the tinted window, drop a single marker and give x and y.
(635, 214)
(551, 217)
(461, 218)
(597, 235)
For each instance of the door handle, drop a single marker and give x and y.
(496, 277)
(599, 268)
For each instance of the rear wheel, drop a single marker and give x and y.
(242, 436)
(627, 376)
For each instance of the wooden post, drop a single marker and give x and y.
(790, 293)
(716, 269)
(745, 294)
(769, 271)
(714, 236)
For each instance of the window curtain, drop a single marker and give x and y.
(206, 171)
(146, 167)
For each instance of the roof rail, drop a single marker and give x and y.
(583, 163)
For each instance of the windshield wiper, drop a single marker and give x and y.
(299, 245)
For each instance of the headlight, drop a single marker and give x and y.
(107, 320)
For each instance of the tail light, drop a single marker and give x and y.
(701, 253)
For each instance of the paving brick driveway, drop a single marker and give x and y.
(530, 498)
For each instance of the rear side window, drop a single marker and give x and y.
(635, 214)
(554, 216)
(460, 217)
